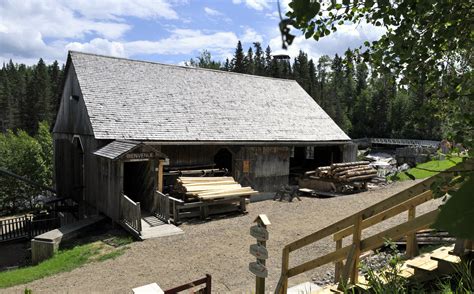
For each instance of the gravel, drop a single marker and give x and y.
(221, 248)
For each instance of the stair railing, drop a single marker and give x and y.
(353, 225)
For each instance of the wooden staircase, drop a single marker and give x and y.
(422, 268)
(346, 259)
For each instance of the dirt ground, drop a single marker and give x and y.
(219, 247)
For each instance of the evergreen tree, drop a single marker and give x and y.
(312, 79)
(259, 60)
(360, 112)
(39, 98)
(337, 95)
(301, 71)
(227, 65)
(322, 74)
(238, 63)
(269, 62)
(249, 62)
(349, 85)
(204, 60)
(383, 94)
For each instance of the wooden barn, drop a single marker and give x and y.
(123, 124)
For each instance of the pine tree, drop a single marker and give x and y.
(349, 81)
(322, 74)
(249, 62)
(39, 98)
(312, 79)
(238, 64)
(55, 76)
(360, 112)
(337, 94)
(269, 62)
(259, 60)
(301, 71)
(227, 65)
(384, 92)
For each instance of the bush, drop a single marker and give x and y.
(28, 157)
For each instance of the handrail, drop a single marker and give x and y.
(130, 213)
(406, 200)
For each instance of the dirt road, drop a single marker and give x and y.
(219, 247)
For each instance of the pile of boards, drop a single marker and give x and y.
(345, 172)
(209, 188)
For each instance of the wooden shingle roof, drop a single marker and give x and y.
(145, 101)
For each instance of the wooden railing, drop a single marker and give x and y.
(204, 281)
(353, 225)
(26, 227)
(161, 206)
(130, 214)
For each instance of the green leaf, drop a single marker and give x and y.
(457, 215)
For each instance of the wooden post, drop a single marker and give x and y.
(284, 270)
(338, 267)
(356, 237)
(412, 247)
(159, 175)
(259, 250)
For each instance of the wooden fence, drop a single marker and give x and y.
(161, 207)
(204, 281)
(26, 227)
(353, 225)
(130, 214)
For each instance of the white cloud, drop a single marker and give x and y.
(347, 36)
(250, 36)
(212, 12)
(111, 9)
(255, 4)
(99, 46)
(43, 28)
(180, 41)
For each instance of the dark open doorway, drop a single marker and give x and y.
(136, 180)
(223, 159)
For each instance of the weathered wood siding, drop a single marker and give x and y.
(102, 179)
(268, 167)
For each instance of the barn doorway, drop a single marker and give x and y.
(137, 180)
(223, 159)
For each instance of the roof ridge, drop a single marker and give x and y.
(180, 66)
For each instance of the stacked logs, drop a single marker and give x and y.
(345, 172)
(208, 188)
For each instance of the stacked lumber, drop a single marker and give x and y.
(345, 172)
(208, 188)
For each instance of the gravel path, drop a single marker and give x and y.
(218, 247)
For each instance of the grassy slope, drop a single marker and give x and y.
(435, 165)
(64, 260)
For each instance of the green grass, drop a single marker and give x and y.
(63, 261)
(427, 169)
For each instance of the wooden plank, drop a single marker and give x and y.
(421, 222)
(339, 264)
(411, 247)
(348, 268)
(356, 237)
(391, 212)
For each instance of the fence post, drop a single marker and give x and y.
(284, 270)
(412, 247)
(339, 264)
(356, 237)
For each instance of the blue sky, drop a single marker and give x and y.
(169, 31)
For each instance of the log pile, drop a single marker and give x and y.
(345, 172)
(208, 188)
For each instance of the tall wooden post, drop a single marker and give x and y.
(260, 251)
(412, 246)
(159, 175)
(356, 237)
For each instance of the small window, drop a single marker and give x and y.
(309, 152)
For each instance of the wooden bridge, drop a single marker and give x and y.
(346, 258)
(398, 142)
